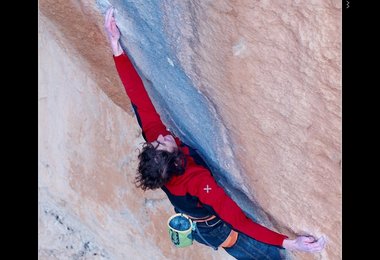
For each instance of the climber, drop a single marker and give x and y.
(166, 162)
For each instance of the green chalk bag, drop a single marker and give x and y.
(180, 229)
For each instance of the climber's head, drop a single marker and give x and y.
(159, 162)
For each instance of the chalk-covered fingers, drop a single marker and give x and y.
(310, 244)
(305, 244)
(113, 32)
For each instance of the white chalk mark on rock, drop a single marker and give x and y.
(170, 61)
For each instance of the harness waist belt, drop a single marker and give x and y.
(230, 240)
(202, 219)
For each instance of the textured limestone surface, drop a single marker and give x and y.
(255, 86)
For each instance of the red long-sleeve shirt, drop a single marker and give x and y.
(195, 192)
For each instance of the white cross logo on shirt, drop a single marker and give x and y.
(207, 188)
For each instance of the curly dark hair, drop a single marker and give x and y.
(157, 167)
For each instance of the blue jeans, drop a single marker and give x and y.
(216, 231)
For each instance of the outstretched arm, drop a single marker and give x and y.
(211, 194)
(147, 115)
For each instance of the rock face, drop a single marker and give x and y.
(255, 86)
